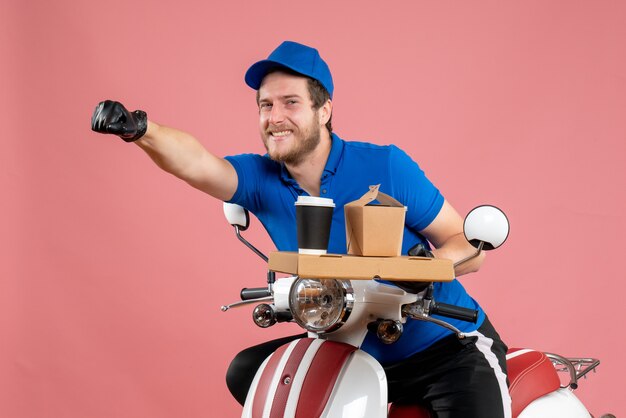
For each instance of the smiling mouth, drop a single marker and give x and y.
(280, 134)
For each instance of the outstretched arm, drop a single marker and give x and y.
(174, 151)
(445, 232)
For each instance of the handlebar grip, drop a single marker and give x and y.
(455, 312)
(254, 293)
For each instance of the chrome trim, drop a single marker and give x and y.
(348, 304)
(575, 367)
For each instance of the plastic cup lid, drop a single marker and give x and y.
(315, 201)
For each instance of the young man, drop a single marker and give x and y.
(294, 94)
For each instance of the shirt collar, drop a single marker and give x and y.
(336, 151)
(334, 157)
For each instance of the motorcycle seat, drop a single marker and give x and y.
(531, 375)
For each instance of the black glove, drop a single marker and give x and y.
(111, 117)
(418, 250)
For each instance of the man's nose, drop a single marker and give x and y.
(276, 115)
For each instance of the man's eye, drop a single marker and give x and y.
(291, 102)
(265, 105)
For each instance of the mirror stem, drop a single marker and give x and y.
(476, 254)
(242, 239)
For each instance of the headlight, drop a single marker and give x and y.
(321, 305)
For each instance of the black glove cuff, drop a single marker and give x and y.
(142, 125)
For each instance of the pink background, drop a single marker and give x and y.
(112, 272)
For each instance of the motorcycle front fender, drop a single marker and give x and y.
(313, 377)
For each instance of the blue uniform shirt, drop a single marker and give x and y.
(267, 190)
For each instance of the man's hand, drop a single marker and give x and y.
(111, 117)
(174, 151)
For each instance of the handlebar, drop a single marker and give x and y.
(254, 293)
(455, 312)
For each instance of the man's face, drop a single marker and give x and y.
(290, 127)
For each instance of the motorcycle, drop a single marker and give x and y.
(327, 375)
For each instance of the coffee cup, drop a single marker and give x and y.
(314, 216)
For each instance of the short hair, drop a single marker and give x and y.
(317, 92)
(319, 96)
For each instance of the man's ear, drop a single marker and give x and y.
(325, 112)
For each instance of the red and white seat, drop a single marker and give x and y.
(531, 376)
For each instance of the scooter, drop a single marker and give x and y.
(327, 375)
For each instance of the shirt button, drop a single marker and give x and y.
(324, 191)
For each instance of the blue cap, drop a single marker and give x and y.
(296, 57)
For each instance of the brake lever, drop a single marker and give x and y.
(224, 308)
(417, 311)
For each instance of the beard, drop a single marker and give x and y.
(303, 143)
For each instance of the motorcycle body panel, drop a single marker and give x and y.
(558, 404)
(372, 300)
(313, 377)
(361, 391)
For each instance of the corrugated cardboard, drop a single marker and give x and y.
(335, 266)
(374, 229)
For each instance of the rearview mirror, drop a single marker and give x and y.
(486, 228)
(237, 216)
(486, 224)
